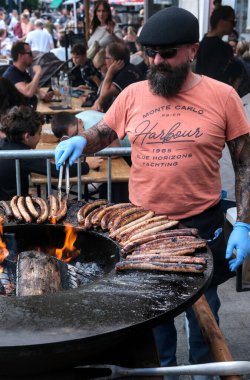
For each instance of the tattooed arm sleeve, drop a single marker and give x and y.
(240, 153)
(98, 137)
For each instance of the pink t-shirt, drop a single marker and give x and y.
(177, 143)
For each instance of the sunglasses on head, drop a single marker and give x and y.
(170, 52)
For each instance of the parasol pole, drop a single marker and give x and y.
(75, 17)
(86, 11)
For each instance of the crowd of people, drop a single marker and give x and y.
(164, 93)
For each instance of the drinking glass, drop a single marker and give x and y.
(55, 88)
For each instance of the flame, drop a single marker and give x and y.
(53, 220)
(3, 250)
(68, 251)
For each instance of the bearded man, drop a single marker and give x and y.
(177, 123)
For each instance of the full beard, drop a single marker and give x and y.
(165, 80)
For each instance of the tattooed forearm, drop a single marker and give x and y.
(98, 137)
(240, 153)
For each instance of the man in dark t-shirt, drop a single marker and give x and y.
(18, 75)
(214, 54)
(120, 74)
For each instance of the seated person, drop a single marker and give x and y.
(84, 72)
(23, 127)
(120, 74)
(65, 124)
(18, 75)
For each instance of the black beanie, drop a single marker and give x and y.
(170, 26)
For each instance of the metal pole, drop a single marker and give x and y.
(48, 176)
(79, 182)
(109, 184)
(18, 177)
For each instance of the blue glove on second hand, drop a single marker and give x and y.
(239, 240)
(71, 148)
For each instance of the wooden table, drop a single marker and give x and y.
(45, 109)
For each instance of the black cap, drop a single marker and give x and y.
(170, 26)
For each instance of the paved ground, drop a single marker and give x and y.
(234, 324)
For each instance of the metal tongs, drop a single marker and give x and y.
(67, 182)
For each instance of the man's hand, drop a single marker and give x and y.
(115, 67)
(239, 240)
(37, 69)
(47, 96)
(94, 162)
(69, 149)
(97, 106)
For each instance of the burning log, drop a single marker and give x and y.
(39, 273)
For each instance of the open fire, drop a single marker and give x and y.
(41, 269)
(68, 251)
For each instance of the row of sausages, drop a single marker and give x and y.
(34, 209)
(148, 241)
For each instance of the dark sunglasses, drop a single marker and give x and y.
(164, 53)
(28, 52)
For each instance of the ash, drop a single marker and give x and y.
(81, 273)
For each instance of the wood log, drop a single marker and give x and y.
(212, 334)
(39, 273)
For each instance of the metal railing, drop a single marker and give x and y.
(47, 154)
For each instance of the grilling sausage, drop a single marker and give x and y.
(120, 219)
(53, 208)
(14, 208)
(112, 213)
(131, 215)
(6, 209)
(21, 207)
(88, 207)
(170, 246)
(164, 267)
(63, 207)
(31, 208)
(88, 220)
(99, 216)
(137, 217)
(168, 234)
(148, 224)
(170, 251)
(44, 210)
(171, 242)
(150, 229)
(169, 259)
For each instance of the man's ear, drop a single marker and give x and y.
(26, 137)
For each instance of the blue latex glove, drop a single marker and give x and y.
(71, 148)
(239, 240)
